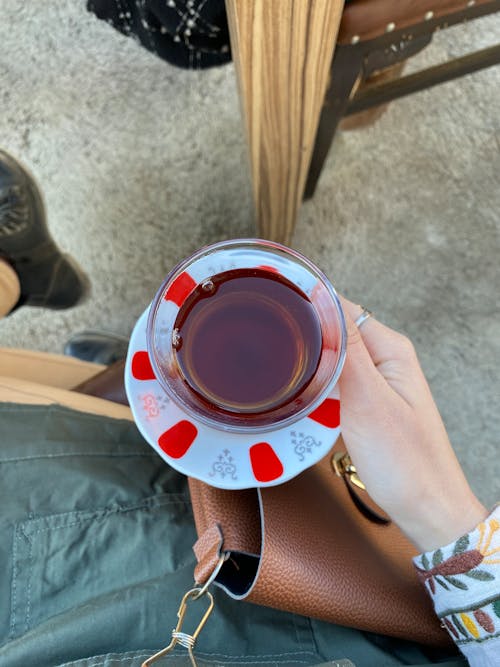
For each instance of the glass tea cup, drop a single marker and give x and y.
(246, 336)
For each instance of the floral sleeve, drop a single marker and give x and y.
(463, 580)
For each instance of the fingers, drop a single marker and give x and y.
(383, 343)
(391, 355)
(360, 381)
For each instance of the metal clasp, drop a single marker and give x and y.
(183, 638)
(344, 467)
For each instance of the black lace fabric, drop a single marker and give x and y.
(187, 33)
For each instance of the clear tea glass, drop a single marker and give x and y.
(247, 336)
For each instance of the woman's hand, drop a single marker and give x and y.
(397, 440)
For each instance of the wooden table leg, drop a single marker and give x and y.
(282, 50)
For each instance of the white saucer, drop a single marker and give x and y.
(225, 460)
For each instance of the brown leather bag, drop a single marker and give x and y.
(306, 547)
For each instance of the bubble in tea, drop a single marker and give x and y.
(247, 341)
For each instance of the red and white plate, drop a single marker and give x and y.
(225, 460)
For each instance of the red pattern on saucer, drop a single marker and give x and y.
(176, 440)
(141, 366)
(266, 464)
(328, 413)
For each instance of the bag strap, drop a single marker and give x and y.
(208, 552)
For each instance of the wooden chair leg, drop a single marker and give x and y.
(346, 69)
(282, 52)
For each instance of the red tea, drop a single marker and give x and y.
(247, 341)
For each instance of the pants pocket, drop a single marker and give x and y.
(87, 558)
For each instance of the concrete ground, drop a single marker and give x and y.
(142, 163)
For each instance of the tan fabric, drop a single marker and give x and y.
(13, 390)
(40, 378)
(10, 289)
(54, 370)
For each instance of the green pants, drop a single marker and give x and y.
(95, 550)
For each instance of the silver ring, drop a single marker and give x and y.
(365, 314)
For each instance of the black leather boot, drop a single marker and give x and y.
(48, 278)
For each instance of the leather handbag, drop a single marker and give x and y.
(315, 546)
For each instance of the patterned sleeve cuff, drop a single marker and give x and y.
(463, 580)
